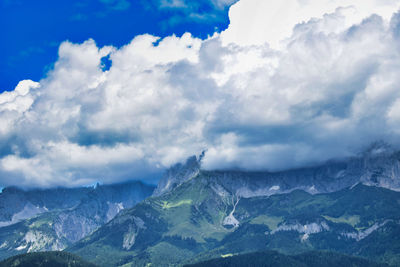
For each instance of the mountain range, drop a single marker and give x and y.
(52, 219)
(349, 206)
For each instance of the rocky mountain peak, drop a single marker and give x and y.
(178, 174)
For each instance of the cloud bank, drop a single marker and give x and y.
(255, 98)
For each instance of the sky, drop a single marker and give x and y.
(125, 89)
(33, 30)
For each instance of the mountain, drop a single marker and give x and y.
(377, 166)
(349, 206)
(46, 259)
(209, 216)
(66, 215)
(178, 174)
(275, 259)
(17, 204)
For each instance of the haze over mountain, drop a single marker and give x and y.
(379, 165)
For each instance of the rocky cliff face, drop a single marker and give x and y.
(17, 204)
(178, 174)
(377, 167)
(45, 225)
(97, 208)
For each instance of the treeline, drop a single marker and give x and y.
(46, 259)
(275, 259)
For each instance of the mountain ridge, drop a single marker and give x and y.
(196, 213)
(56, 228)
(190, 222)
(378, 166)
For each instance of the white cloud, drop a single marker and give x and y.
(14, 103)
(255, 22)
(330, 89)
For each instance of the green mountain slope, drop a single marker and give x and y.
(275, 259)
(46, 259)
(201, 219)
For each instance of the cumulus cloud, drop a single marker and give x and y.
(259, 21)
(325, 88)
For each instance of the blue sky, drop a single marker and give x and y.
(32, 30)
(93, 93)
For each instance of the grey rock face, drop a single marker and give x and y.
(381, 170)
(98, 208)
(17, 204)
(376, 167)
(364, 233)
(310, 228)
(178, 174)
(70, 220)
